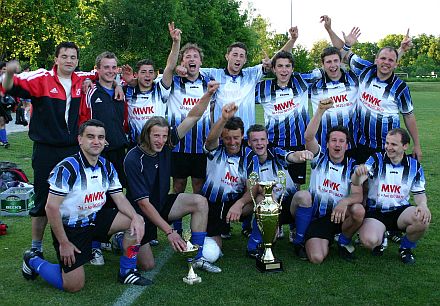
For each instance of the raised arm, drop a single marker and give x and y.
(299, 156)
(335, 39)
(288, 46)
(311, 142)
(8, 77)
(173, 56)
(197, 111)
(212, 141)
(405, 45)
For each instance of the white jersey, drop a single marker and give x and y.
(236, 88)
(389, 185)
(329, 182)
(142, 105)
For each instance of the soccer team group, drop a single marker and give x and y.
(200, 123)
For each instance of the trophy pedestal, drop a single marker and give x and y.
(192, 281)
(275, 266)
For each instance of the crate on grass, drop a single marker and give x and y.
(17, 201)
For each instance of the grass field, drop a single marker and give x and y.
(368, 281)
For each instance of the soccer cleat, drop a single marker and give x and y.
(280, 233)
(346, 252)
(203, 264)
(378, 251)
(395, 236)
(37, 252)
(226, 236)
(6, 145)
(106, 246)
(116, 249)
(98, 258)
(133, 277)
(27, 271)
(292, 236)
(256, 253)
(407, 257)
(246, 232)
(154, 242)
(300, 251)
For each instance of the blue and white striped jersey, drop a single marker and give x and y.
(344, 94)
(83, 187)
(286, 112)
(389, 185)
(379, 103)
(239, 89)
(184, 95)
(142, 106)
(226, 174)
(329, 182)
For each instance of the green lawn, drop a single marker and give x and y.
(368, 281)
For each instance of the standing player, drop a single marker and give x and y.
(78, 186)
(148, 172)
(336, 202)
(391, 177)
(5, 112)
(55, 97)
(269, 160)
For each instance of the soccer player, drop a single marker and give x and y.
(391, 177)
(226, 175)
(382, 96)
(4, 112)
(268, 160)
(78, 186)
(337, 207)
(55, 97)
(148, 172)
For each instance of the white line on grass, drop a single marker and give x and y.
(133, 292)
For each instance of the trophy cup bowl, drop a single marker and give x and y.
(189, 254)
(267, 214)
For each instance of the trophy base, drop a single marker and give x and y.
(275, 266)
(192, 281)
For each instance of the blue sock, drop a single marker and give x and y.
(177, 225)
(292, 227)
(255, 237)
(406, 244)
(198, 238)
(247, 222)
(343, 240)
(96, 244)
(303, 216)
(51, 273)
(37, 244)
(126, 264)
(3, 137)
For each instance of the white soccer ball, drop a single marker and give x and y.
(211, 251)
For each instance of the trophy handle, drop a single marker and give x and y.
(282, 180)
(253, 178)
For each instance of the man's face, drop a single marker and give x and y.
(158, 138)
(283, 71)
(236, 59)
(107, 70)
(146, 76)
(3, 70)
(258, 143)
(394, 147)
(67, 61)
(386, 62)
(192, 61)
(232, 140)
(337, 145)
(332, 66)
(92, 141)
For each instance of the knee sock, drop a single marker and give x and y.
(406, 244)
(128, 261)
(177, 225)
(96, 245)
(51, 273)
(199, 239)
(247, 222)
(37, 244)
(343, 240)
(255, 237)
(3, 137)
(303, 216)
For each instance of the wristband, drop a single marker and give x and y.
(346, 47)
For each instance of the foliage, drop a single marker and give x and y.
(366, 50)
(316, 50)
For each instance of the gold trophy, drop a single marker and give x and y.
(267, 214)
(189, 254)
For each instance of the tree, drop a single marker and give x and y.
(303, 61)
(316, 50)
(366, 50)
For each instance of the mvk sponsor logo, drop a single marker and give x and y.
(340, 98)
(390, 188)
(332, 185)
(92, 197)
(371, 99)
(231, 178)
(284, 105)
(143, 110)
(190, 101)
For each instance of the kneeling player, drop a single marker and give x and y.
(336, 202)
(78, 186)
(391, 177)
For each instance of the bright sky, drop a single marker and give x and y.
(376, 18)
